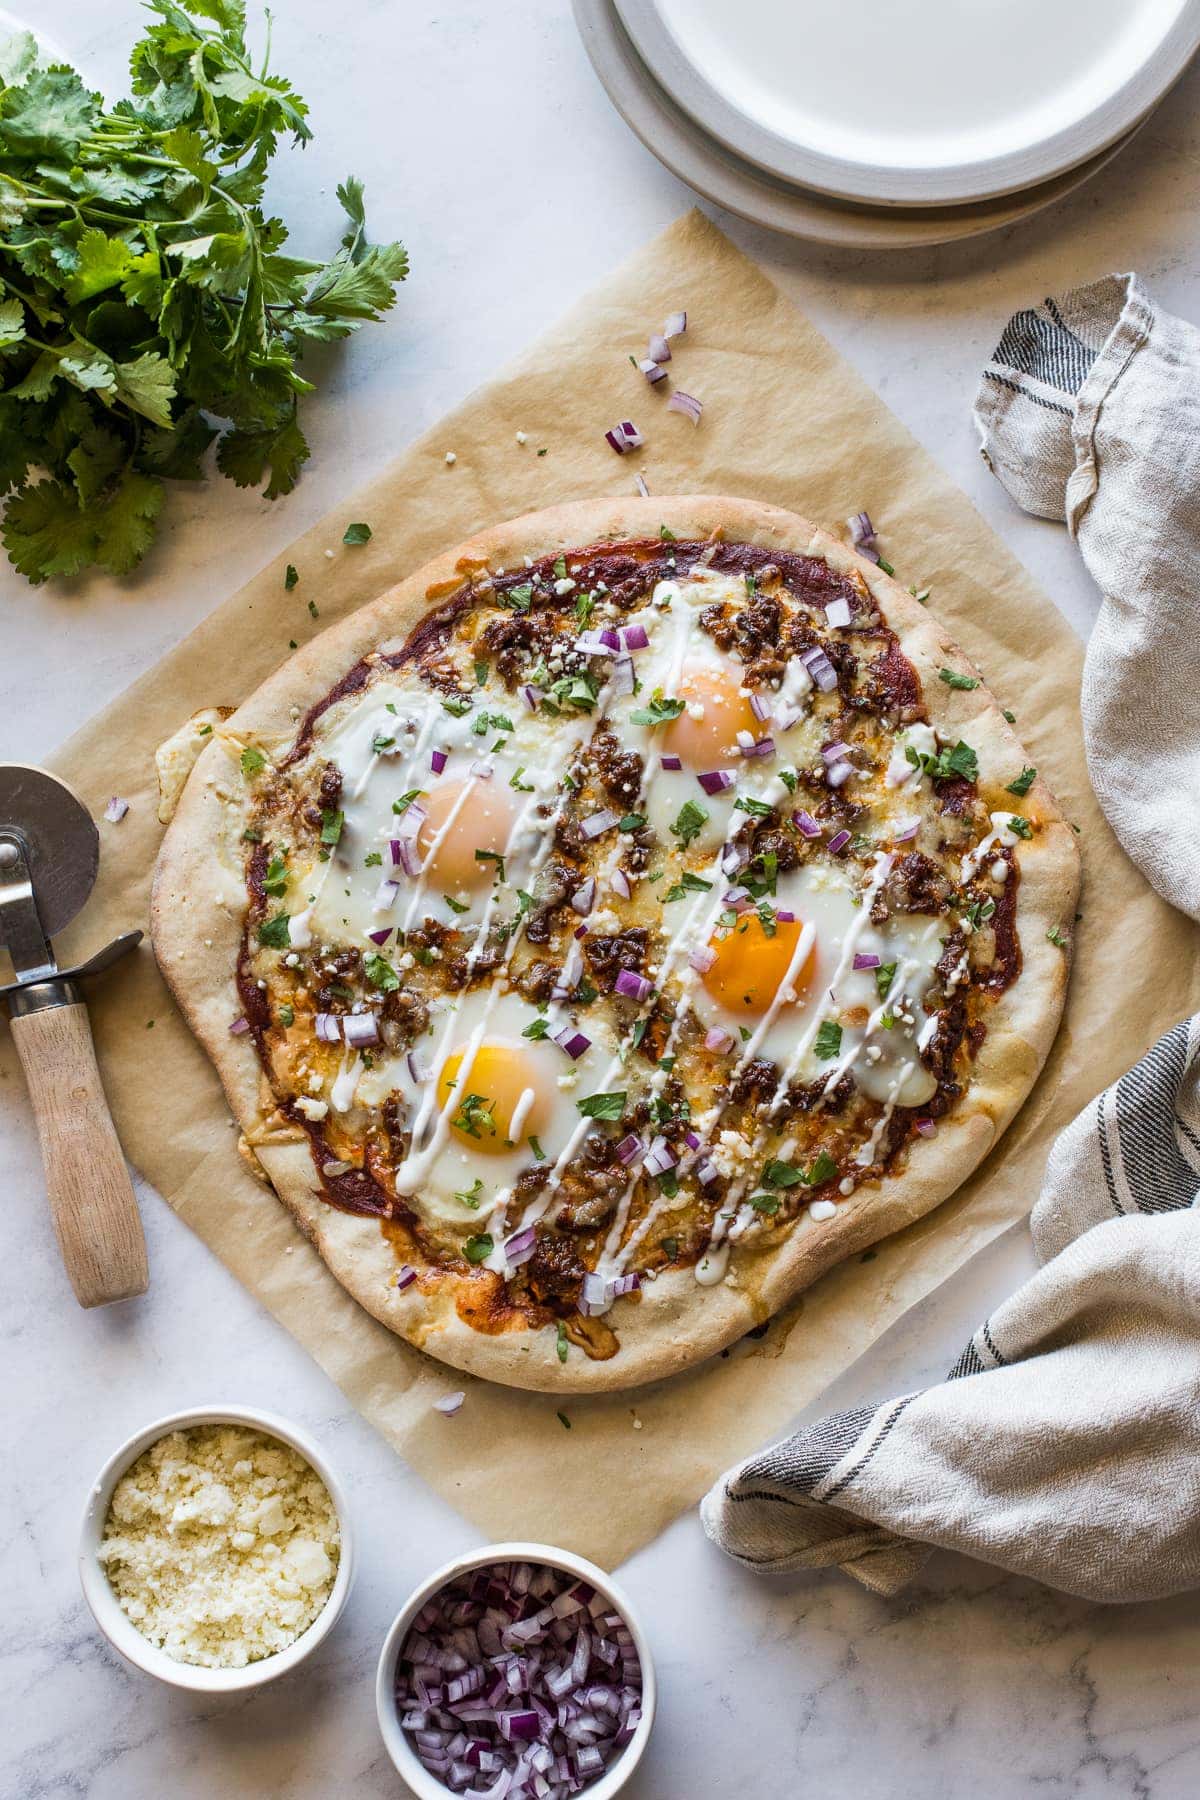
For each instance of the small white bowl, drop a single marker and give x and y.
(419, 1779)
(124, 1635)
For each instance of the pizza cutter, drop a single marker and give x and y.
(49, 855)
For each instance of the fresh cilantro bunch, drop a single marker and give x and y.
(148, 305)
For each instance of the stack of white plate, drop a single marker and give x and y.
(886, 122)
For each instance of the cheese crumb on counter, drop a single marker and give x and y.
(221, 1545)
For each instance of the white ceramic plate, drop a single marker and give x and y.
(915, 102)
(670, 135)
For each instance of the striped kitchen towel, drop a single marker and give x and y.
(1065, 1442)
(1089, 413)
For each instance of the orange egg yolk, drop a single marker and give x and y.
(752, 966)
(704, 735)
(485, 1108)
(456, 825)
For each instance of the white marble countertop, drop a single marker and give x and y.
(478, 127)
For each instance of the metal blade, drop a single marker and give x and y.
(49, 854)
(20, 928)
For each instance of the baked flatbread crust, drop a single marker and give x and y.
(199, 909)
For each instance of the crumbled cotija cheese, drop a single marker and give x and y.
(221, 1545)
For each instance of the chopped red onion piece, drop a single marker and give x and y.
(862, 536)
(658, 348)
(624, 436)
(733, 858)
(598, 643)
(820, 668)
(784, 917)
(406, 1277)
(239, 1027)
(437, 760)
(482, 771)
(530, 696)
(449, 1404)
(639, 481)
(787, 717)
(415, 1068)
(702, 959)
(381, 936)
(595, 1296)
(520, 1246)
(633, 986)
(707, 1172)
(760, 706)
(622, 885)
(360, 1029)
(573, 1042)
(806, 824)
(865, 960)
(625, 1284)
(671, 762)
(659, 1157)
(687, 404)
(629, 1148)
(906, 832)
(676, 325)
(734, 896)
(838, 613)
(717, 1040)
(634, 637)
(838, 843)
(691, 1140)
(599, 822)
(116, 809)
(763, 747)
(926, 1127)
(584, 897)
(714, 781)
(622, 677)
(580, 931)
(839, 773)
(651, 370)
(385, 895)
(404, 852)
(835, 752)
(328, 1028)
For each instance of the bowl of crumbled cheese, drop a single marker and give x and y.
(216, 1550)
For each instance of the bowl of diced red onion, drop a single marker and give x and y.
(517, 1672)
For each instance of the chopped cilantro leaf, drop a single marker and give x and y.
(828, 1041)
(659, 712)
(789, 779)
(492, 856)
(561, 1344)
(456, 906)
(405, 801)
(691, 821)
(885, 974)
(457, 704)
(1023, 783)
(472, 1196)
(275, 879)
(273, 932)
(1021, 826)
(253, 762)
(560, 568)
(584, 607)
(372, 860)
(290, 577)
(632, 822)
(539, 1155)
(475, 1116)
(478, 1248)
(667, 535)
(519, 598)
(536, 1028)
(602, 1106)
(778, 1174)
(687, 884)
(380, 973)
(1056, 937)
(954, 680)
(563, 1420)
(357, 533)
(757, 809)
(332, 821)
(765, 1203)
(287, 1016)
(514, 781)
(820, 1170)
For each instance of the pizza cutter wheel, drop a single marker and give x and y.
(49, 854)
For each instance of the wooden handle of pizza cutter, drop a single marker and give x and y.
(92, 1202)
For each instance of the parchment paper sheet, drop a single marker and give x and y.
(785, 421)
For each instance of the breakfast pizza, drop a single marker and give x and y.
(630, 915)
